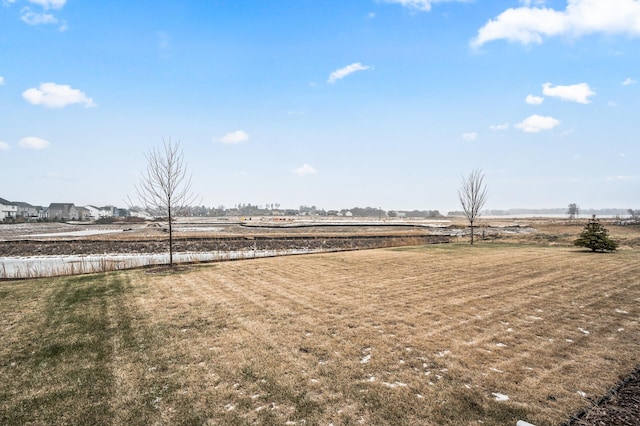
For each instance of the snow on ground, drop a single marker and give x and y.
(85, 233)
(500, 396)
(47, 266)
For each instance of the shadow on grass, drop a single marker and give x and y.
(62, 374)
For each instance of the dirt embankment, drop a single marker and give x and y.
(84, 246)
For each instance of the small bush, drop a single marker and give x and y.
(595, 237)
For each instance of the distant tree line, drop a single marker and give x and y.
(249, 209)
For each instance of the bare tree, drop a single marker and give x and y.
(165, 188)
(473, 195)
(573, 211)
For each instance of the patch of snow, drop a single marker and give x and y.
(47, 266)
(501, 345)
(229, 407)
(197, 229)
(500, 396)
(620, 311)
(583, 330)
(83, 233)
(569, 340)
(365, 359)
(442, 354)
(394, 385)
(582, 394)
(496, 370)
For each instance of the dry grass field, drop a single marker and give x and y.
(431, 335)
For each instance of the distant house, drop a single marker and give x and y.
(27, 211)
(137, 212)
(8, 210)
(94, 212)
(83, 213)
(63, 211)
(118, 212)
(100, 212)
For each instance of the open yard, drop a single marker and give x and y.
(440, 334)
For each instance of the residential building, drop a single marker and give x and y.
(83, 213)
(63, 211)
(27, 211)
(8, 210)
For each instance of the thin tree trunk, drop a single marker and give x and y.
(471, 232)
(170, 240)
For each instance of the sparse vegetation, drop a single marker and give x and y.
(418, 335)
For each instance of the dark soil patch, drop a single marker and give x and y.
(619, 407)
(329, 243)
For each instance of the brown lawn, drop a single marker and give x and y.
(423, 335)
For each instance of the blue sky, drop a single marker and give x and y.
(382, 103)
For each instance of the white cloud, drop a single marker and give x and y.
(49, 4)
(421, 5)
(536, 123)
(528, 25)
(534, 100)
(343, 72)
(33, 18)
(576, 92)
(54, 95)
(621, 178)
(612, 104)
(498, 127)
(470, 136)
(1, 80)
(304, 170)
(4, 146)
(236, 137)
(629, 81)
(32, 142)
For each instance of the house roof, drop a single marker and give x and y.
(22, 204)
(6, 203)
(61, 205)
